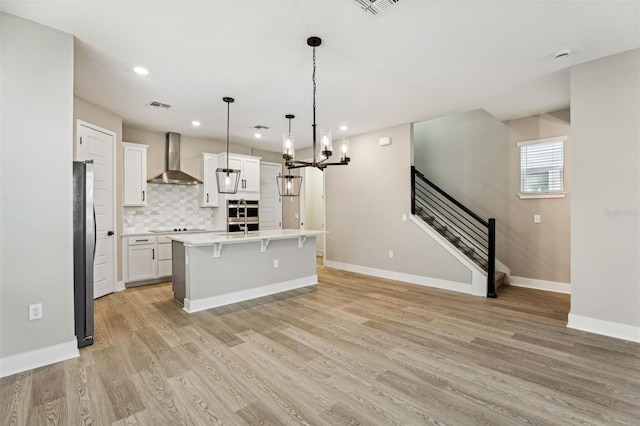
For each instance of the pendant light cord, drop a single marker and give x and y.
(313, 78)
(228, 138)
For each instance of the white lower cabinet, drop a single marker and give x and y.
(147, 257)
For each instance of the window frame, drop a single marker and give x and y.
(542, 194)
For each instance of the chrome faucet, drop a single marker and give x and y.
(245, 227)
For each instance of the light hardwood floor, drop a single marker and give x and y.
(353, 350)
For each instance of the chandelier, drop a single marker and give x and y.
(322, 151)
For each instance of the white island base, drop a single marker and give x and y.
(211, 270)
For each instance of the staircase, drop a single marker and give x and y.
(466, 231)
(454, 238)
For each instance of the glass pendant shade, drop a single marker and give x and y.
(227, 180)
(288, 146)
(289, 185)
(326, 143)
(344, 150)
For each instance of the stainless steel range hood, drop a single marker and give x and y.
(173, 175)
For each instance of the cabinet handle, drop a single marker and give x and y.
(142, 195)
(153, 253)
(207, 198)
(139, 241)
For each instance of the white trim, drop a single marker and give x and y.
(554, 286)
(114, 187)
(192, 306)
(534, 195)
(475, 289)
(539, 141)
(18, 363)
(606, 328)
(120, 286)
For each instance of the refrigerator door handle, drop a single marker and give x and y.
(95, 232)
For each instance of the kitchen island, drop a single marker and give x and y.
(213, 269)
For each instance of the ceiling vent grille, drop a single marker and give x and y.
(158, 105)
(376, 7)
(260, 127)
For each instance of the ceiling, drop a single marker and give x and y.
(418, 60)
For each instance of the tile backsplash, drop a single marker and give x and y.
(171, 206)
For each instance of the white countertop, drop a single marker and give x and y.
(168, 232)
(210, 238)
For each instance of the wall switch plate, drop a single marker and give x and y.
(536, 218)
(404, 217)
(297, 216)
(390, 254)
(276, 263)
(35, 311)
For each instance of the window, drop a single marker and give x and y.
(542, 168)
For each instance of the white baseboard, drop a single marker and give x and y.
(14, 364)
(479, 288)
(606, 328)
(554, 286)
(192, 306)
(119, 286)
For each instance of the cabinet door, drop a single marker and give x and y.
(135, 175)
(142, 262)
(209, 194)
(251, 175)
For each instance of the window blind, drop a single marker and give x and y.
(542, 166)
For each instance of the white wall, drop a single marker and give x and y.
(605, 218)
(364, 205)
(36, 231)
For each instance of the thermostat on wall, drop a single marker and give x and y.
(385, 141)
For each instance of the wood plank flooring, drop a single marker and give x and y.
(353, 350)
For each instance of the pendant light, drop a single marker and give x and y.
(227, 178)
(289, 185)
(321, 151)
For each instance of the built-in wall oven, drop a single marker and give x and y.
(236, 212)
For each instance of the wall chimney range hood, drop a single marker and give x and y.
(173, 175)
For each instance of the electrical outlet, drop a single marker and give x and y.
(35, 311)
(390, 254)
(404, 217)
(297, 216)
(276, 263)
(536, 218)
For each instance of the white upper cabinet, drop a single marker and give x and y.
(249, 172)
(207, 172)
(135, 174)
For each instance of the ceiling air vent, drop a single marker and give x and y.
(158, 105)
(260, 127)
(376, 6)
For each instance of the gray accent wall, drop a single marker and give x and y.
(365, 202)
(542, 250)
(605, 218)
(36, 229)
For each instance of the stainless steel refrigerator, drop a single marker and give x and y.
(84, 248)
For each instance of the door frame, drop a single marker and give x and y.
(117, 286)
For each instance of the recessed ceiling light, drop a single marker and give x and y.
(257, 135)
(344, 128)
(195, 123)
(141, 70)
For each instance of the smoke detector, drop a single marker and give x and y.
(376, 6)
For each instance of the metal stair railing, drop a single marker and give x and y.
(472, 235)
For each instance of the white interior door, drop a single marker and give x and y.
(270, 200)
(94, 143)
(312, 204)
